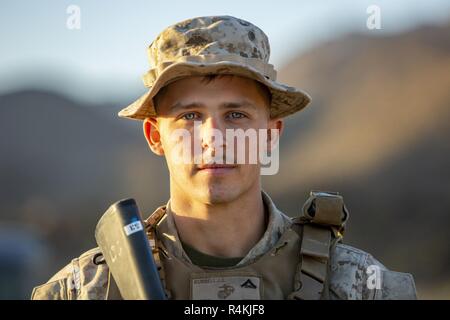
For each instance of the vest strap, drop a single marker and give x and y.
(314, 256)
(320, 227)
(150, 225)
(316, 242)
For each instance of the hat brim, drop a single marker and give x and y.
(286, 100)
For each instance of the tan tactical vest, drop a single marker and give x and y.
(297, 267)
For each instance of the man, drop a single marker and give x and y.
(220, 236)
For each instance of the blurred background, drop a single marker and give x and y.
(377, 130)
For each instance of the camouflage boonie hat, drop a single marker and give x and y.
(213, 45)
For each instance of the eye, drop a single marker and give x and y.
(189, 116)
(236, 115)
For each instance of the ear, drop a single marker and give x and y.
(273, 140)
(152, 135)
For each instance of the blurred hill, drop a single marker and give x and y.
(377, 131)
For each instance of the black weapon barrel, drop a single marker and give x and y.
(121, 236)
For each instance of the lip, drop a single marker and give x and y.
(216, 168)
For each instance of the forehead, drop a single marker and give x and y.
(213, 87)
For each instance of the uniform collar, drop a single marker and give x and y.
(278, 223)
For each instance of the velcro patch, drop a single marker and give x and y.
(219, 286)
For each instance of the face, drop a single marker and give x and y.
(203, 110)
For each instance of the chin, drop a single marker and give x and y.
(221, 194)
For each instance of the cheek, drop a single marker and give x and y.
(182, 175)
(179, 152)
(172, 132)
(248, 172)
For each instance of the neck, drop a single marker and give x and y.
(228, 229)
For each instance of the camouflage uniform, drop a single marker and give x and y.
(228, 45)
(85, 278)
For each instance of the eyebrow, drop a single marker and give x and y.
(225, 105)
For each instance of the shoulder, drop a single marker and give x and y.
(356, 274)
(85, 277)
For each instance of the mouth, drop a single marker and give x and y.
(216, 168)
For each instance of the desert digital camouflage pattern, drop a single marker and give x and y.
(86, 278)
(213, 45)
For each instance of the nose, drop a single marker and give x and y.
(212, 132)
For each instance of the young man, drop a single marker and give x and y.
(220, 236)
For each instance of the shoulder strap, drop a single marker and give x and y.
(320, 226)
(150, 225)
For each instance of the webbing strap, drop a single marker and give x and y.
(316, 242)
(314, 256)
(150, 225)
